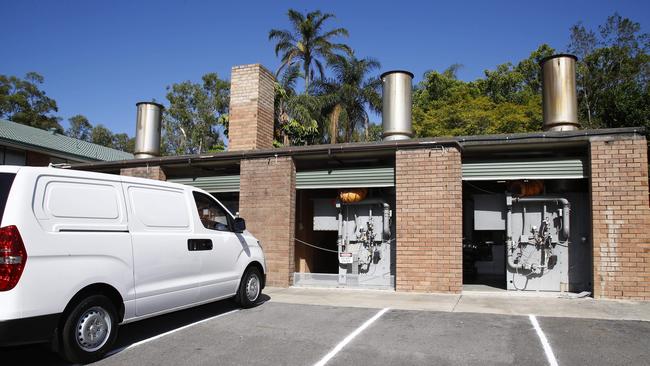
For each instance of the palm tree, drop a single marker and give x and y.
(349, 93)
(296, 115)
(307, 44)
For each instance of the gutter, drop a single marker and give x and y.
(461, 143)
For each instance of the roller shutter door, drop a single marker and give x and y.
(574, 168)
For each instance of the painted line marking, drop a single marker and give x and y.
(349, 338)
(136, 344)
(542, 337)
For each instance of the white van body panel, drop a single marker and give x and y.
(165, 271)
(82, 229)
(64, 254)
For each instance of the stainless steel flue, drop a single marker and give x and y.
(559, 96)
(147, 131)
(396, 109)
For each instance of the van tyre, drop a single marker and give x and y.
(250, 288)
(90, 330)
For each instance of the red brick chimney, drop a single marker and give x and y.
(252, 93)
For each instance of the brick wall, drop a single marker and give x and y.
(621, 218)
(429, 220)
(267, 200)
(252, 93)
(150, 172)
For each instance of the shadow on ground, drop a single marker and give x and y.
(41, 354)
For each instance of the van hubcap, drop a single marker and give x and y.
(93, 329)
(252, 288)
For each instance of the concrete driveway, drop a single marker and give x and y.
(281, 333)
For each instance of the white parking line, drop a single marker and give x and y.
(136, 344)
(349, 338)
(542, 337)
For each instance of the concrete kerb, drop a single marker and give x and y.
(544, 305)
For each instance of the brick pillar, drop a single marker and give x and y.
(621, 218)
(267, 200)
(429, 220)
(150, 172)
(252, 93)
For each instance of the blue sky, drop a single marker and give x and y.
(101, 57)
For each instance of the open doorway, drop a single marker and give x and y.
(526, 235)
(343, 243)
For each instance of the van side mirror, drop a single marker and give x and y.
(239, 225)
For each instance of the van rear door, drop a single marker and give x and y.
(165, 270)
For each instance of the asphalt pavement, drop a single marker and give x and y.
(280, 333)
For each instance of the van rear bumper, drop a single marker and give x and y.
(28, 330)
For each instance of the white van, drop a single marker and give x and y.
(82, 252)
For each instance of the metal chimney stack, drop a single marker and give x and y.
(147, 131)
(396, 109)
(559, 96)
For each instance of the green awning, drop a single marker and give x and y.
(346, 178)
(573, 168)
(215, 184)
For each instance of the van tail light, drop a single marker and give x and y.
(12, 257)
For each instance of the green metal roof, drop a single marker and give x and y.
(56, 143)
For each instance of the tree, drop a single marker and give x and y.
(307, 44)
(612, 73)
(101, 135)
(197, 115)
(349, 93)
(80, 128)
(122, 141)
(22, 101)
(507, 100)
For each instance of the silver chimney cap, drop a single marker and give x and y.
(396, 105)
(147, 131)
(559, 94)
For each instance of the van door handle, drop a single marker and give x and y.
(199, 244)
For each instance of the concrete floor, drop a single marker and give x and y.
(505, 302)
(443, 330)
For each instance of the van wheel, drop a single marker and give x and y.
(250, 288)
(89, 330)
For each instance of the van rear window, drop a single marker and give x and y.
(6, 180)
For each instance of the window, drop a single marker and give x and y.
(160, 208)
(212, 215)
(14, 157)
(6, 180)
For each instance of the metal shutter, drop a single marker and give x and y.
(346, 178)
(216, 184)
(573, 168)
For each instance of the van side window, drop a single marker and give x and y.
(160, 208)
(212, 215)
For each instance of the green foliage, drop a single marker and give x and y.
(196, 115)
(80, 128)
(613, 73)
(22, 101)
(307, 44)
(101, 135)
(301, 133)
(507, 100)
(348, 95)
(122, 141)
(375, 132)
